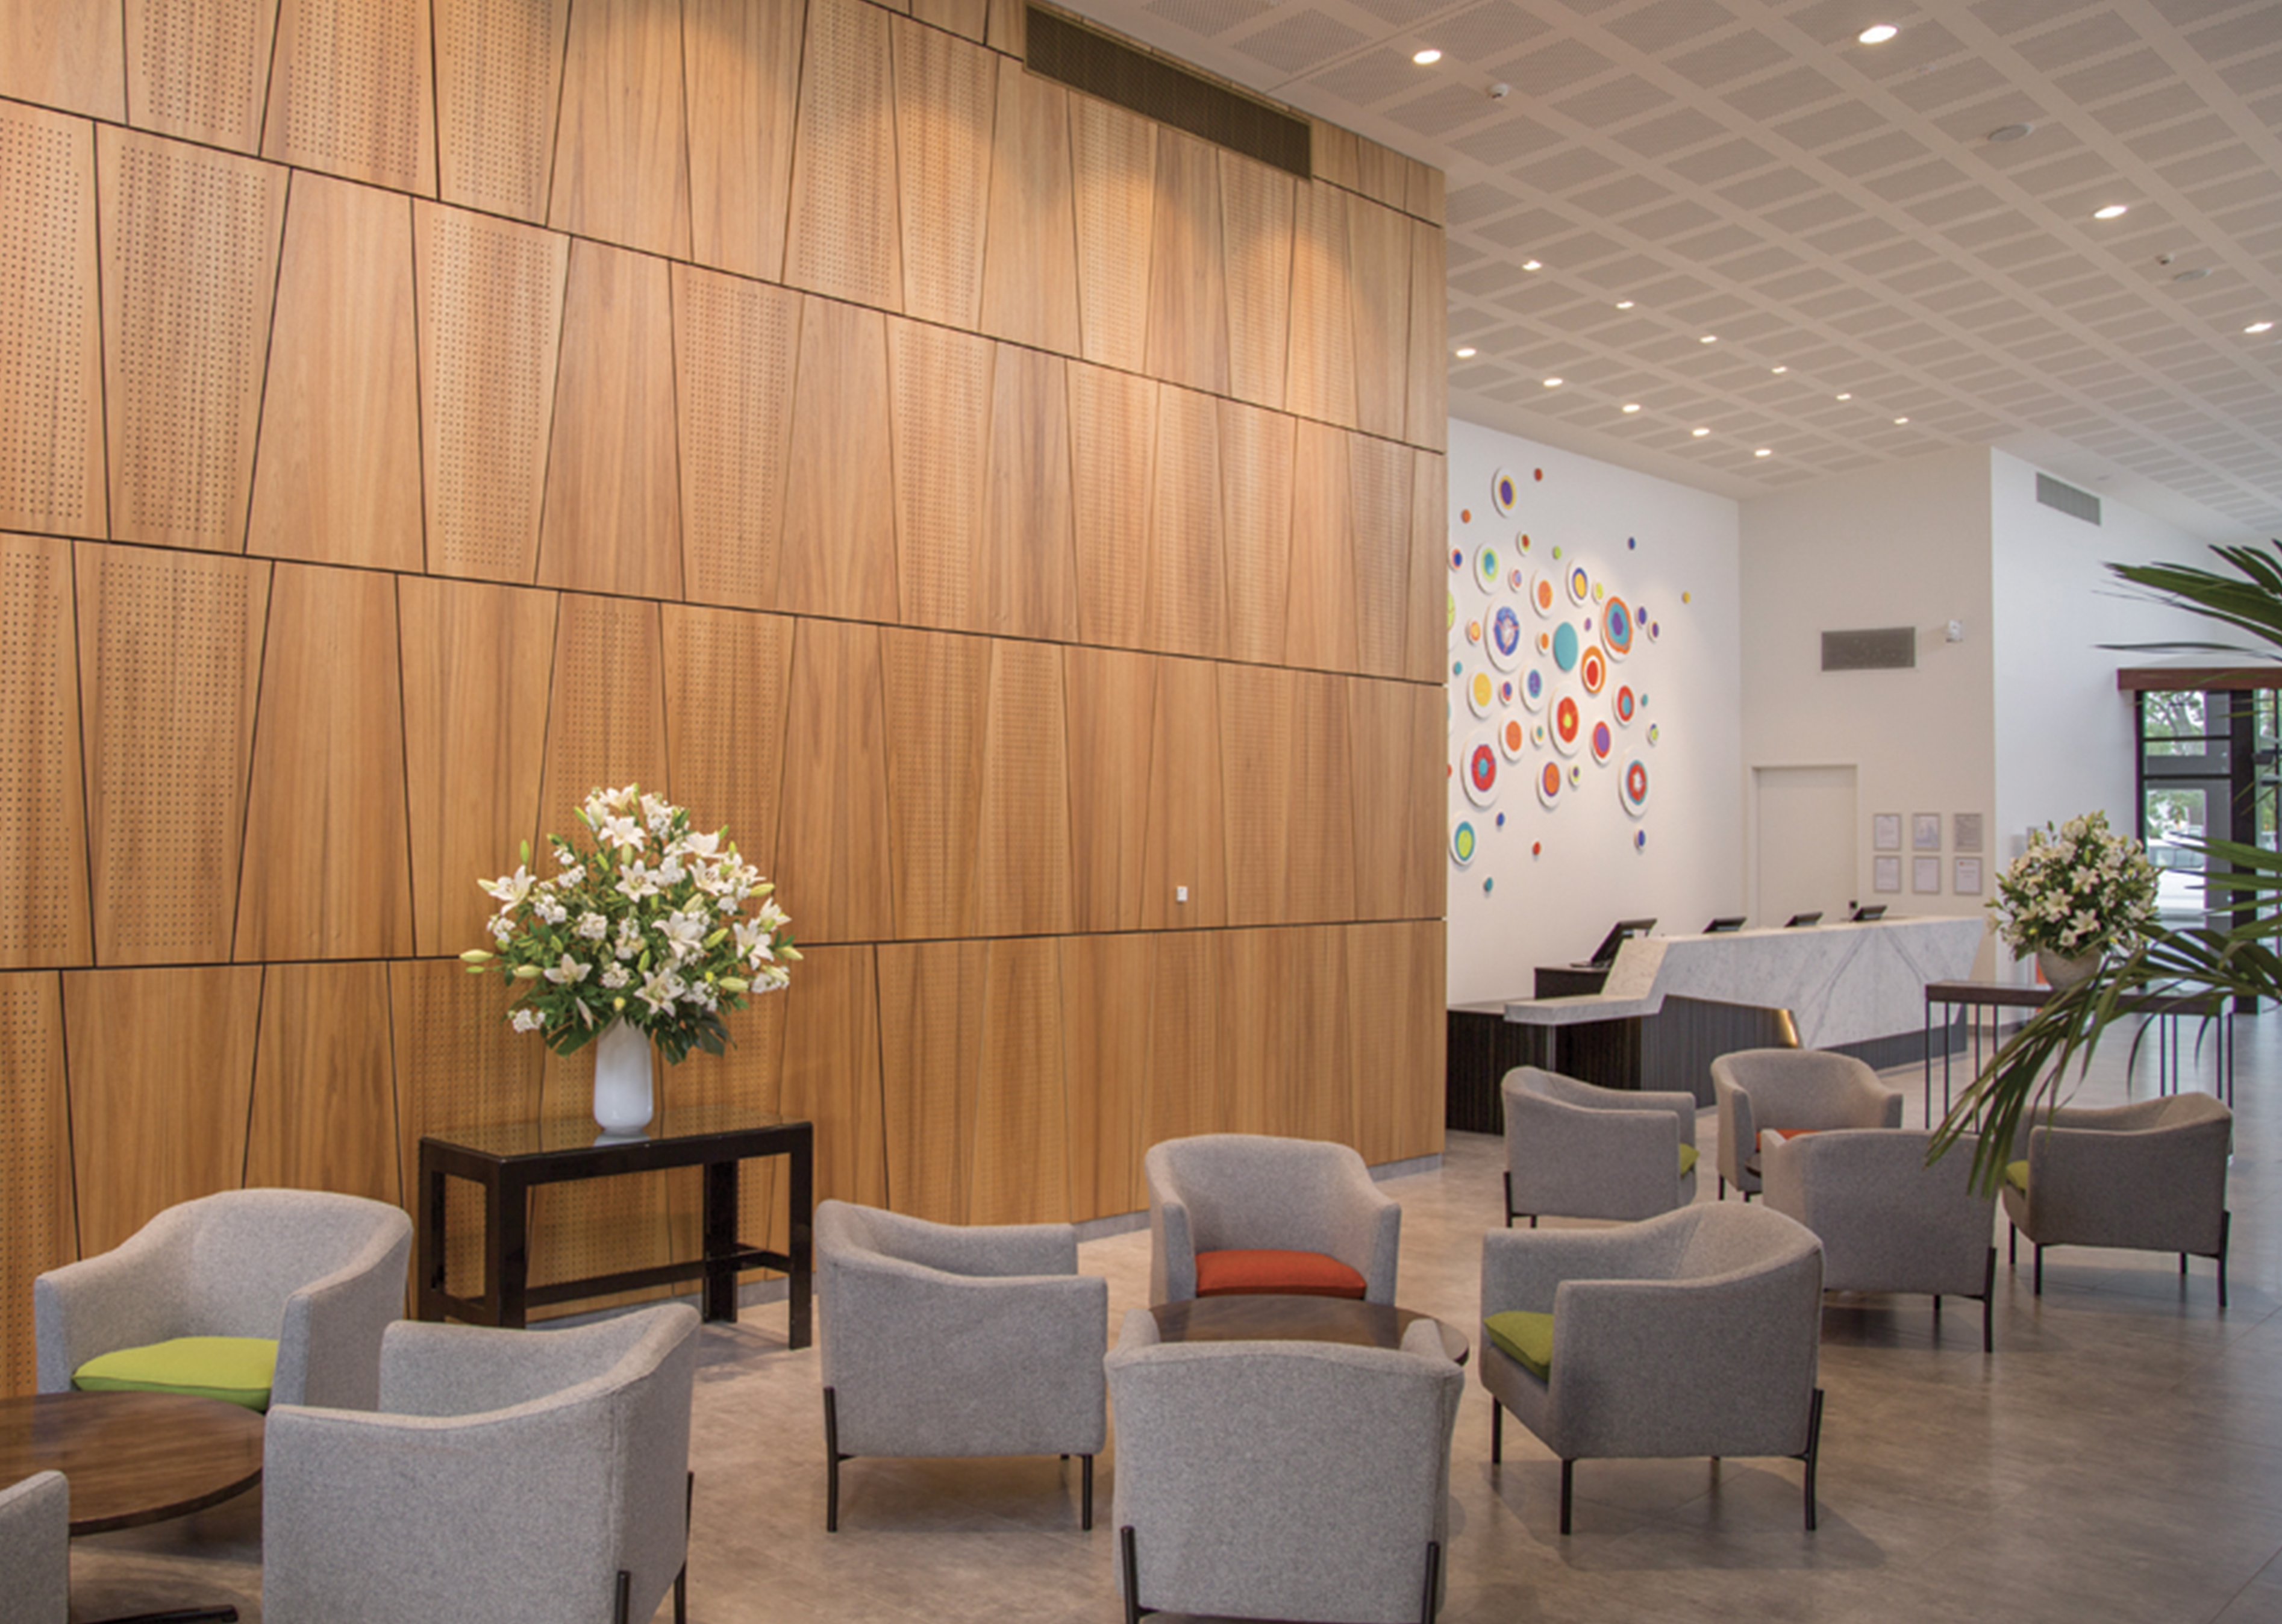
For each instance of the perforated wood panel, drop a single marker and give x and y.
(1378, 477)
(1257, 713)
(747, 1074)
(35, 1187)
(622, 152)
(471, 771)
(613, 512)
(142, 1140)
(832, 845)
(931, 1023)
(606, 722)
(1186, 607)
(1320, 608)
(199, 68)
(44, 908)
(1019, 1165)
(1110, 700)
(946, 92)
(1256, 470)
(1426, 412)
(1392, 730)
(499, 73)
(349, 92)
(1322, 380)
(325, 811)
(736, 344)
(1182, 1089)
(1105, 1069)
(832, 1071)
(937, 697)
(965, 18)
(50, 380)
(1183, 843)
(839, 554)
(1024, 840)
(1256, 201)
(1113, 459)
(169, 652)
(1025, 569)
(189, 262)
(491, 318)
(338, 479)
(742, 62)
(842, 239)
(324, 1084)
(1030, 276)
(1378, 294)
(1321, 858)
(726, 675)
(1188, 291)
(1113, 156)
(940, 398)
(64, 53)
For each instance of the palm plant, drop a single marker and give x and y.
(2031, 1070)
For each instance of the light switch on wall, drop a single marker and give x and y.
(1180, 893)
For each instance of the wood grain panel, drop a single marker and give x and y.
(1379, 481)
(748, 1075)
(613, 510)
(338, 477)
(1332, 150)
(1114, 157)
(1019, 1165)
(1023, 860)
(1395, 1058)
(1257, 714)
(1255, 204)
(1320, 608)
(200, 68)
(64, 53)
(499, 80)
(1110, 698)
(605, 721)
(37, 1224)
(726, 675)
(1426, 199)
(838, 555)
(325, 819)
(1029, 270)
(169, 653)
(324, 1084)
(969, 19)
(937, 710)
(743, 60)
(832, 845)
(832, 1071)
(1322, 380)
(1398, 795)
(1007, 31)
(1105, 1027)
(842, 238)
(1378, 296)
(736, 343)
(44, 905)
(940, 395)
(1426, 411)
(1249, 975)
(1256, 451)
(1112, 462)
(1283, 1032)
(1183, 843)
(189, 262)
(349, 93)
(1184, 1087)
(1382, 174)
(1188, 288)
(946, 94)
(491, 323)
(622, 156)
(471, 771)
(1319, 866)
(51, 471)
(1186, 607)
(1026, 570)
(931, 1021)
(161, 1069)
(596, 1225)
(1424, 633)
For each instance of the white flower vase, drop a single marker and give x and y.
(622, 1066)
(2061, 973)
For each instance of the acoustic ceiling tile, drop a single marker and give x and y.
(1490, 29)
(1579, 250)
(1782, 93)
(1298, 41)
(2056, 49)
(1948, 85)
(1443, 109)
(1710, 247)
(1754, 267)
(1370, 78)
(1571, 167)
(1725, 60)
(1552, 69)
(1507, 142)
(2245, 32)
(1828, 127)
(1719, 163)
(1665, 26)
(1209, 17)
(1479, 201)
(1532, 226)
(1616, 101)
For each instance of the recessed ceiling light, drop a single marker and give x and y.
(1898, 421)
(1624, 304)
(1466, 353)
(1699, 433)
(1764, 451)
(1778, 368)
(1533, 265)
(1877, 33)
(2259, 327)
(1709, 339)
(1427, 58)
(1553, 383)
(1631, 406)
(2011, 132)
(1846, 397)
(2113, 211)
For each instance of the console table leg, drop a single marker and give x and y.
(720, 1240)
(800, 1206)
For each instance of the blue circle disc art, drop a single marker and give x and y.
(1565, 646)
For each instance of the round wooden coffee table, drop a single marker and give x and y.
(1262, 1318)
(132, 1458)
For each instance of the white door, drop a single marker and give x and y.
(1806, 836)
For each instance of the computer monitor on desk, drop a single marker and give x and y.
(1868, 911)
(1606, 954)
(1724, 923)
(1797, 919)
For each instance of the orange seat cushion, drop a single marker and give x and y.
(1780, 1134)
(1279, 1274)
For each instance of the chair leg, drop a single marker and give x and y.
(1533, 1220)
(831, 1463)
(1129, 1555)
(2225, 1224)
(2040, 1269)
(681, 1579)
(622, 1607)
(1723, 1187)
(1813, 1452)
(1085, 1500)
(2013, 1248)
(1568, 1486)
(1497, 1432)
(1937, 1315)
(1433, 1603)
(1509, 1198)
(1989, 1304)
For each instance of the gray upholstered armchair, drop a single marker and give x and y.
(1575, 1150)
(1233, 1213)
(1887, 1221)
(520, 1476)
(1794, 1090)
(321, 1274)
(1693, 1333)
(2150, 1176)
(940, 1339)
(35, 1549)
(1283, 1480)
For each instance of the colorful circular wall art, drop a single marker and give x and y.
(1632, 786)
(1565, 646)
(1624, 704)
(1462, 843)
(1616, 628)
(1549, 782)
(1568, 725)
(1580, 585)
(1505, 491)
(1481, 771)
(1505, 637)
(1480, 692)
(1513, 738)
(1604, 740)
(1533, 689)
(1542, 595)
(1486, 568)
(1592, 668)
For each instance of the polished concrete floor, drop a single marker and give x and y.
(2118, 1457)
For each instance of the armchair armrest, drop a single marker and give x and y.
(328, 1347)
(1523, 1269)
(1363, 1226)
(127, 1297)
(1173, 1254)
(449, 1371)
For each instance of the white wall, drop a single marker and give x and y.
(1553, 907)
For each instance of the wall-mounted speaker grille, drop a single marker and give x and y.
(1155, 88)
(2076, 504)
(1884, 648)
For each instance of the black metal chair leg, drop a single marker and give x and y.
(2225, 1227)
(1813, 1452)
(1723, 1187)
(831, 1463)
(1533, 1220)
(2013, 1248)
(1085, 1499)
(1129, 1555)
(1568, 1486)
(1433, 1603)
(1989, 1304)
(681, 1579)
(1937, 1315)
(622, 1607)
(1509, 1198)
(1497, 1432)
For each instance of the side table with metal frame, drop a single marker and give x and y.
(1977, 996)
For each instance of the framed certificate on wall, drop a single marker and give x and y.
(1886, 873)
(1925, 875)
(1925, 833)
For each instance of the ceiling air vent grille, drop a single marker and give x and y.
(1153, 87)
(2076, 504)
(1893, 648)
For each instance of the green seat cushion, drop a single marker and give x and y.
(237, 1370)
(1687, 1159)
(1526, 1338)
(2016, 1174)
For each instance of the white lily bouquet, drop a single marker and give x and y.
(646, 924)
(2076, 891)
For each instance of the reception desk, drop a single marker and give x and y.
(1671, 1004)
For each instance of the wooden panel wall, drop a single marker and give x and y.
(1011, 518)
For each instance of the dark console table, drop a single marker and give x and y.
(510, 1160)
(1983, 1002)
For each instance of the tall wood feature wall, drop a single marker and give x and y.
(999, 509)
